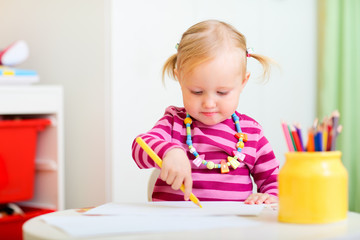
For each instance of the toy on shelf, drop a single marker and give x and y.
(14, 54)
(12, 76)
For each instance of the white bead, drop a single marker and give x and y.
(197, 161)
(192, 150)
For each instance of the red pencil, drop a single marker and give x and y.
(296, 139)
(329, 140)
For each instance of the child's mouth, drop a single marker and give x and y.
(209, 114)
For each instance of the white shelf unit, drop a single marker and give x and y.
(36, 101)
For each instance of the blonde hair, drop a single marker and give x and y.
(201, 42)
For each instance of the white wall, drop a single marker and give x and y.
(144, 34)
(68, 43)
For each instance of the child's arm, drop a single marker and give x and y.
(265, 172)
(159, 145)
(159, 139)
(176, 168)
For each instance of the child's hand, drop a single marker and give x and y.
(259, 198)
(176, 170)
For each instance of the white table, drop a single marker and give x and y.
(269, 228)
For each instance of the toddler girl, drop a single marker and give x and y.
(207, 145)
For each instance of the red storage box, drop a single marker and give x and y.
(18, 140)
(11, 226)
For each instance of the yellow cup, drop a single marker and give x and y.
(313, 188)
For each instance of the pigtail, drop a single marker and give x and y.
(169, 67)
(201, 43)
(266, 63)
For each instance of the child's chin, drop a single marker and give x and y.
(210, 121)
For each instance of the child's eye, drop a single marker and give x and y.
(222, 93)
(196, 92)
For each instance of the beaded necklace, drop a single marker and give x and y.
(231, 161)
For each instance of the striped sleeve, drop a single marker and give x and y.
(159, 139)
(266, 167)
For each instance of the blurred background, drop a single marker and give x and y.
(108, 56)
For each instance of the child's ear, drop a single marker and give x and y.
(176, 74)
(246, 79)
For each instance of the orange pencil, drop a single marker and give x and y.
(310, 143)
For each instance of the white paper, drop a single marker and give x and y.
(126, 218)
(180, 208)
(86, 226)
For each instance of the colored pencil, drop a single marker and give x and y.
(287, 136)
(158, 161)
(298, 130)
(321, 136)
(296, 139)
(318, 141)
(335, 123)
(339, 129)
(324, 129)
(310, 142)
(329, 140)
(292, 138)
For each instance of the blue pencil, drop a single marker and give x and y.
(298, 130)
(318, 141)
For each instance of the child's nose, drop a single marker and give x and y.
(209, 102)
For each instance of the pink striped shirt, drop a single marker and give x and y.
(216, 142)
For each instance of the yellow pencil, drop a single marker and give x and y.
(325, 138)
(158, 161)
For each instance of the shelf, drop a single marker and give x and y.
(46, 165)
(38, 101)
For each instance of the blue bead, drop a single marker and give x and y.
(189, 142)
(235, 117)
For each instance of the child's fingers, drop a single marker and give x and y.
(170, 179)
(163, 174)
(176, 184)
(271, 199)
(188, 188)
(261, 198)
(251, 199)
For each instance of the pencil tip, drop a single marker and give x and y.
(336, 113)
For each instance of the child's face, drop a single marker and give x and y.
(211, 91)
